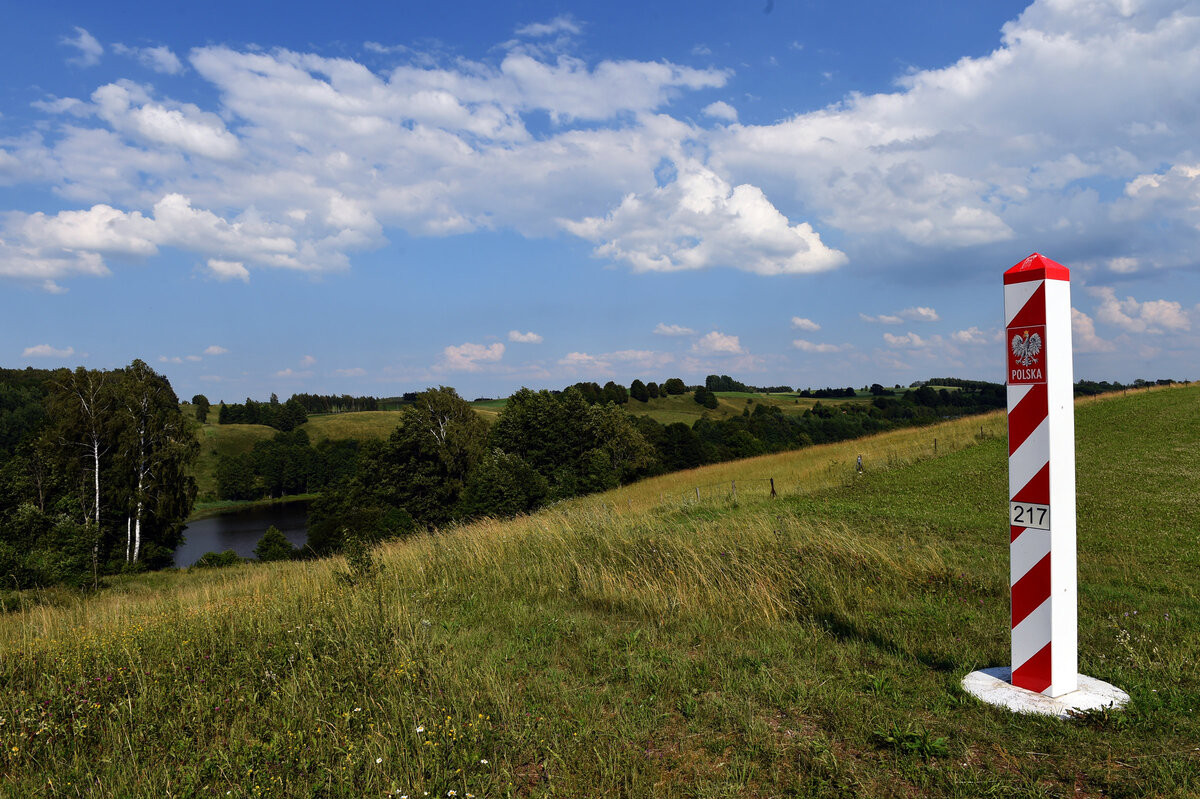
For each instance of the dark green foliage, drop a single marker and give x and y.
(638, 391)
(502, 485)
(674, 386)
(328, 403)
(217, 560)
(22, 405)
(201, 403)
(282, 416)
(616, 394)
(653, 390)
(98, 480)
(416, 476)
(705, 397)
(285, 465)
(725, 383)
(577, 448)
(274, 546)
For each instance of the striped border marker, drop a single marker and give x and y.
(1041, 475)
(1041, 507)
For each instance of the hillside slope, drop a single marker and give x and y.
(639, 644)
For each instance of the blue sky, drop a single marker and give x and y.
(259, 198)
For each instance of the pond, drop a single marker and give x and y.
(241, 529)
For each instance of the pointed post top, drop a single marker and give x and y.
(1036, 267)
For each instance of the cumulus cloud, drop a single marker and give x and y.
(802, 323)
(1083, 334)
(560, 24)
(1024, 142)
(662, 329)
(721, 110)
(89, 49)
(583, 362)
(307, 360)
(972, 335)
(293, 373)
(160, 59)
(917, 314)
(909, 340)
(183, 125)
(471, 357)
(1154, 316)
(524, 338)
(215, 349)
(47, 351)
(717, 343)
(699, 221)
(809, 346)
(228, 270)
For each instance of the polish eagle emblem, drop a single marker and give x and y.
(1026, 348)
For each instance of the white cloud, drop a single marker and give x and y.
(524, 338)
(560, 24)
(293, 373)
(160, 59)
(715, 343)
(355, 371)
(184, 126)
(1124, 265)
(972, 335)
(582, 362)
(89, 49)
(228, 270)
(307, 360)
(802, 323)
(1154, 316)
(170, 359)
(47, 351)
(917, 314)
(910, 340)
(471, 357)
(920, 314)
(810, 346)
(1023, 143)
(215, 349)
(698, 221)
(672, 330)
(193, 358)
(721, 110)
(1083, 334)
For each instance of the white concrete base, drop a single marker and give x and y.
(995, 687)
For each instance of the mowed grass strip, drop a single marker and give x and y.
(810, 645)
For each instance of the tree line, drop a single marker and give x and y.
(95, 473)
(443, 463)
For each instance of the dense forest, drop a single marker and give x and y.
(96, 466)
(94, 473)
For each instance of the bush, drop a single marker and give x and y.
(274, 546)
(217, 560)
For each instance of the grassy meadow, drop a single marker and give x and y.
(643, 643)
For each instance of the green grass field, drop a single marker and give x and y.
(642, 644)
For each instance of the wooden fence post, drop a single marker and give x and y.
(772, 488)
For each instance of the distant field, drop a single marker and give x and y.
(226, 439)
(361, 425)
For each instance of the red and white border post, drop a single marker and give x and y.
(1041, 509)
(1041, 476)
